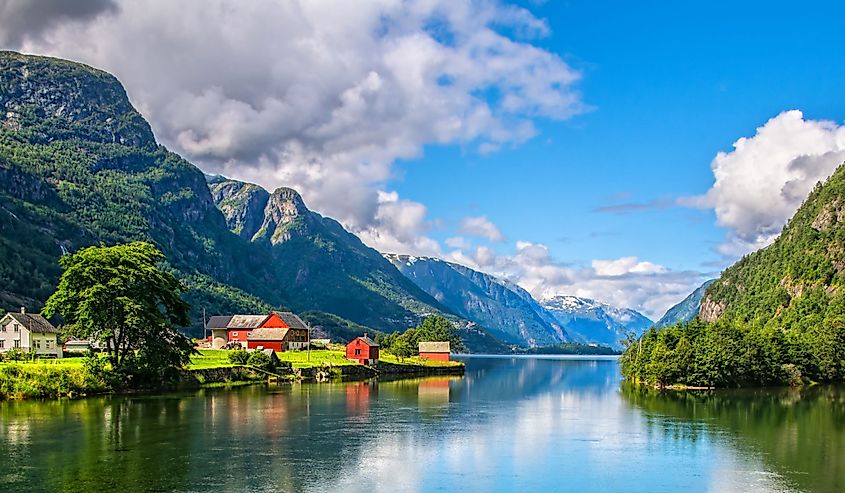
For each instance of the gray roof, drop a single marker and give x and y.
(219, 321)
(434, 347)
(33, 322)
(246, 321)
(368, 341)
(267, 334)
(293, 321)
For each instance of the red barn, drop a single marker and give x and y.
(437, 351)
(363, 350)
(240, 326)
(267, 338)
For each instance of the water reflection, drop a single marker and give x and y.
(509, 424)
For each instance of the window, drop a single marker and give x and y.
(17, 328)
(2, 344)
(17, 343)
(357, 352)
(37, 344)
(2, 328)
(234, 334)
(46, 344)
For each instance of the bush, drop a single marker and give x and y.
(261, 360)
(238, 357)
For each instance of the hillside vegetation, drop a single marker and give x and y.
(777, 316)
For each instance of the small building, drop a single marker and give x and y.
(81, 346)
(27, 331)
(297, 332)
(363, 350)
(237, 329)
(436, 351)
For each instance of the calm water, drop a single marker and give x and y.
(524, 424)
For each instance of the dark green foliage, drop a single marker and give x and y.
(261, 360)
(119, 296)
(238, 356)
(433, 329)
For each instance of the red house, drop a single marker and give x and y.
(363, 350)
(437, 351)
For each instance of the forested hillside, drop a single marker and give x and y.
(776, 316)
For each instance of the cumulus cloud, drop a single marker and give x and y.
(322, 96)
(762, 182)
(481, 227)
(624, 282)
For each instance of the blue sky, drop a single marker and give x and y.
(670, 86)
(608, 128)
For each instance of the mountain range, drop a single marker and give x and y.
(511, 314)
(82, 167)
(593, 322)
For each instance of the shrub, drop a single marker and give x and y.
(261, 360)
(238, 357)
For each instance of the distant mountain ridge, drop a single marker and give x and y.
(504, 309)
(590, 321)
(687, 309)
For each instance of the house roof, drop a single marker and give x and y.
(33, 322)
(366, 340)
(434, 347)
(267, 334)
(246, 321)
(219, 321)
(292, 320)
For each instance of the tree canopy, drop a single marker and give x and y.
(121, 296)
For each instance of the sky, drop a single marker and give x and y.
(620, 151)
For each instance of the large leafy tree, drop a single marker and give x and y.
(120, 296)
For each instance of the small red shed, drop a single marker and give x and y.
(437, 351)
(363, 350)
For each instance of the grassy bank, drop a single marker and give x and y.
(34, 380)
(218, 358)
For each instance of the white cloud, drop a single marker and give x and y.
(322, 96)
(458, 242)
(762, 182)
(481, 227)
(625, 265)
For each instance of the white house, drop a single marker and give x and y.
(27, 331)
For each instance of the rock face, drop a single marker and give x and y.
(592, 322)
(80, 166)
(241, 203)
(687, 309)
(502, 308)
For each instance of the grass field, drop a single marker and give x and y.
(217, 358)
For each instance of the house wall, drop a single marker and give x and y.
(274, 345)
(435, 356)
(297, 339)
(218, 338)
(45, 344)
(274, 322)
(8, 335)
(239, 335)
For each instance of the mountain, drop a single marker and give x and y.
(687, 309)
(589, 321)
(80, 166)
(321, 265)
(776, 317)
(504, 309)
(798, 280)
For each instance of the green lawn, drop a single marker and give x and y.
(216, 358)
(47, 362)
